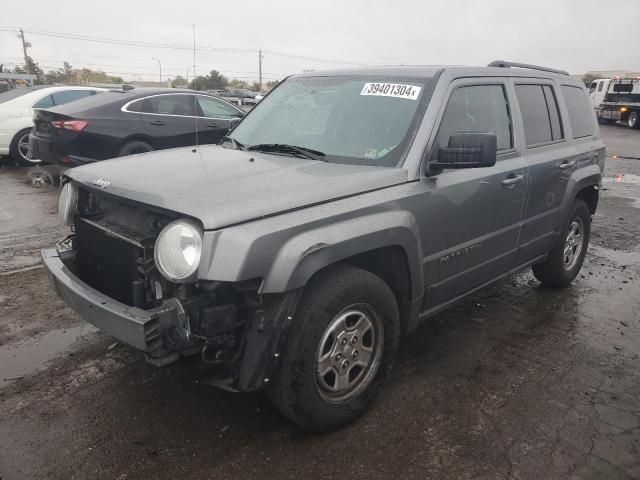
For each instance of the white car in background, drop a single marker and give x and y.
(16, 116)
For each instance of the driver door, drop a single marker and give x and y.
(472, 216)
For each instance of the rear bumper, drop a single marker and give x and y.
(55, 152)
(136, 327)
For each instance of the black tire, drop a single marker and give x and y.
(633, 120)
(17, 150)
(557, 271)
(133, 147)
(330, 295)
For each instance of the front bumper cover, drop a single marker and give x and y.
(134, 326)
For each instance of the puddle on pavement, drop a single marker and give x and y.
(623, 178)
(26, 357)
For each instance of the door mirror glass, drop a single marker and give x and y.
(467, 150)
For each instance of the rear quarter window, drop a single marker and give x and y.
(540, 115)
(581, 114)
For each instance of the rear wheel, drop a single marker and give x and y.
(633, 120)
(136, 146)
(19, 149)
(567, 255)
(339, 350)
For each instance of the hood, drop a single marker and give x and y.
(221, 187)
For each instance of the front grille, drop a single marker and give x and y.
(114, 241)
(111, 263)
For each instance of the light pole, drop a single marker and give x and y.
(159, 66)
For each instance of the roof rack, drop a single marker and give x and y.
(503, 64)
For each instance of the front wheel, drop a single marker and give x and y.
(20, 152)
(341, 347)
(633, 120)
(567, 255)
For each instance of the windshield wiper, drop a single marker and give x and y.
(236, 144)
(292, 149)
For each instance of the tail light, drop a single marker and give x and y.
(73, 125)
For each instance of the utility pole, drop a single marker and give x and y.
(25, 44)
(260, 69)
(159, 66)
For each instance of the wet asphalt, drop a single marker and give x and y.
(515, 382)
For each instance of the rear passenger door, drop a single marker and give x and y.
(550, 159)
(472, 216)
(170, 119)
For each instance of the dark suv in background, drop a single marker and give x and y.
(125, 122)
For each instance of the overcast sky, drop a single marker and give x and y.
(568, 34)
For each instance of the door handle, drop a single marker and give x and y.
(512, 180)
(567, 164)
(157, 122)
(212, 125)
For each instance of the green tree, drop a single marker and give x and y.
(235, 83)
(179, 82)
(587, 78)
(32, 68)
(271, 84)
(213, 81)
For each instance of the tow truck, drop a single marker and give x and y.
(616, 100)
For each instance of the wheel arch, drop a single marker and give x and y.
(137, 137)
(391, 252)
(304, 254)
(584, 184)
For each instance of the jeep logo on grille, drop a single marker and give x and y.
(102, 183)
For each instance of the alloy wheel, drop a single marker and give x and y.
(349, 354)
(573, 244)
(24, 151)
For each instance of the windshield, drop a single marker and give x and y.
(360, 121)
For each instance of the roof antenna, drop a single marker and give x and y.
(195, 87)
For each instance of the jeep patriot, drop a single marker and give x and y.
(344, 209)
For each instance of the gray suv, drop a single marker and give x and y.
(344, 209)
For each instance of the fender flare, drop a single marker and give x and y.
(304, 254)
(589, 176)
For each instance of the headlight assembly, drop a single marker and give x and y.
(68, 203)
(178, 250)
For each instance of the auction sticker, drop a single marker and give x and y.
(397, 90)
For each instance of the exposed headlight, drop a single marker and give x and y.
(68, 203)
(178, 250)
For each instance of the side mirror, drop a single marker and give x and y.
(467, 150)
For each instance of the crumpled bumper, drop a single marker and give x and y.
(134, 326)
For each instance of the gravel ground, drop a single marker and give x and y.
(516, 382)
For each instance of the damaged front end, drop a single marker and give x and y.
(107, 272)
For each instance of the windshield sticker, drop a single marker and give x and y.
(371, 153)
(397, 90)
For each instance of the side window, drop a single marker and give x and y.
(44, 102)
(60, 98)
(554, 112)
(581, 113)
(182, 105)
(478, 109)
(593, 86)
(213, 108)
(135, 106)
(540, 115)
(600, 85)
